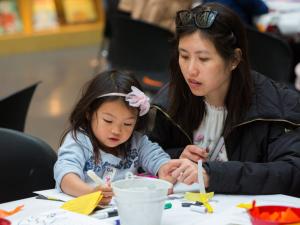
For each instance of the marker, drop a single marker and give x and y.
(104, 215)
(48, 198)
(117, 222)
(168, 205)
(189, 204)
(95, 178)
(197, 208)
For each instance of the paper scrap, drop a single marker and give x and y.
(84, 204)
(4, 213)
(245, 205)
(60, 217)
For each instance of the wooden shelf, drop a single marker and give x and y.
(64, 36)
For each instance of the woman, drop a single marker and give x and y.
(243, 126)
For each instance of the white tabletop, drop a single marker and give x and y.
(225, 213)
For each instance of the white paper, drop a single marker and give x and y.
(54, 194)
(60, 217)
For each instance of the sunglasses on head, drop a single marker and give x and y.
(201, 19)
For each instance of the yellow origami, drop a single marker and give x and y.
(200, 197)
(84, 204)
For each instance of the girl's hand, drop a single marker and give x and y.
(165, 172)
(194, 153)
(106, 192)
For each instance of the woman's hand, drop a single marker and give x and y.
(194, 153)
(186, 171)
(106, 192)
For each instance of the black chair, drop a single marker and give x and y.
(269, 55)
(142, 48)
(26, 165)
(13, 108)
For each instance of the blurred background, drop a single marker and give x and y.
(52, 42)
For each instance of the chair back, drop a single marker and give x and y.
(269, 55)
(142, 48)
(14, 108)
(26, 165)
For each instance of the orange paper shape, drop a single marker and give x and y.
(5, 213)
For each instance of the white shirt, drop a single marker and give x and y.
(208, 135)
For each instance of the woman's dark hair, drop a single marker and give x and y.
(227, 33)
(103, 83)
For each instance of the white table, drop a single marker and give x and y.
(226, 212)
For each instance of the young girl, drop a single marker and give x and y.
(104, 137)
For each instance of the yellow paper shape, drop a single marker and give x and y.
(200, 197)
(245, 205)
(84, 204)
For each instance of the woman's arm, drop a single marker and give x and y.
(278, 172)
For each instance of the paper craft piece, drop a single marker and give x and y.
(244, 205)
(53, 194)
(60, 217)
(201, 197)
(84, 204)
(4, 213)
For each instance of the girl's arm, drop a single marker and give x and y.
(150, 155)
(71, 184)
(68, 170)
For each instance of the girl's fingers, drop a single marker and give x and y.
(107, 194)
(105, 201)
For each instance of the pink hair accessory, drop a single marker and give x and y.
(137, 98)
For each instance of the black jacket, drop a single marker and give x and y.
(263, 151)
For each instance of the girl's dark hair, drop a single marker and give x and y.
(103, 83)
(227, 33)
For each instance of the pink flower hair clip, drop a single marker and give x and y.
(137, 98)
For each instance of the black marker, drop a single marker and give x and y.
(103, 215)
